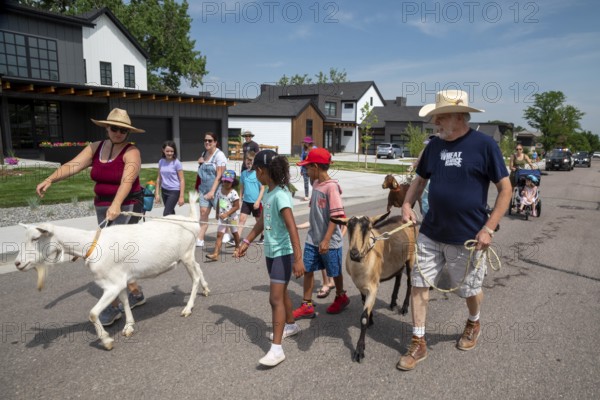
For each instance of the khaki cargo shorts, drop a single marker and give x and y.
(433, 256)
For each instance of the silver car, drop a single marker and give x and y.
(389, 150)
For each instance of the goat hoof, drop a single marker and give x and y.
(108, 343)
(404, 310)
(127, 331)
(358, 355)
(186, 312)
(205, 292)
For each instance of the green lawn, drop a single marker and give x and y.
(17, 186)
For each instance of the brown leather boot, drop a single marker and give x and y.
(468, 340)
(417, 352)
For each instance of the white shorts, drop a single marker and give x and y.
(432, 256)
(223, 225)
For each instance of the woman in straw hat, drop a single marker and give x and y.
(115, 166)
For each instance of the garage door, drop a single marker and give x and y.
(192, 136)
(377, 140)
(150, 142)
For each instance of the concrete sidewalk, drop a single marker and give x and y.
(357, 187)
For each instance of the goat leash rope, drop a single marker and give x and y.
(470, 245)
(134, 214)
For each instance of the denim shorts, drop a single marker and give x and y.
(433, 256)
(280, 268)
(330, 261)
(206, 203)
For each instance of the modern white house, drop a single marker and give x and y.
(329, 113)
(58, 71)
(120, 65)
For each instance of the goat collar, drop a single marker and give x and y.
(94, 243)
(373, 241)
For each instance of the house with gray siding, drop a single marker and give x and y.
(57, 72)
(338, 106)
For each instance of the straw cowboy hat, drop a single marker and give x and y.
(118, 117)
(448, 101)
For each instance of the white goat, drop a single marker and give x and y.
(370, 261)
(121, 254)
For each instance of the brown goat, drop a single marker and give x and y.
(371, 261)
(397, 192)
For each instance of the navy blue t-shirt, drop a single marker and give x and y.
(460, 173)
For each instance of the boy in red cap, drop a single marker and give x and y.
(323, 247)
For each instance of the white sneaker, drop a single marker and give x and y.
(226, 238)
(271, 359)
(199, 243)
(288, 330)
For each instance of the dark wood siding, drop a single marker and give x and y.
(299, 128)
(150, 142)
(68, 41)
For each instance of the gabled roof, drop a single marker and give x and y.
(346, 91)
(93, 15)
(393, 111)
(487, 128)
(276, 108)
(86, 19)
(16, 8)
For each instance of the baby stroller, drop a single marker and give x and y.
(515, 202)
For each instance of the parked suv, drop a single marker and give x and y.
(559, 159)
(389, 150)
(583, 158)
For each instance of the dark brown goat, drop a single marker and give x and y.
(397, 191)
(370, 261)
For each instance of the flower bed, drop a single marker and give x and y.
(61, 152)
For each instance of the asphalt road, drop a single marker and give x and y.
(540, 319)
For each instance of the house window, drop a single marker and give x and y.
(330, 109)
(28, 57)
(84, 70)
(33, 122)
(347, 133)
(129, 76)
(371, 102)
(309, 127)
(105, 73)
(348, 106)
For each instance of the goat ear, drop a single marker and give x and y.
(380, 217)
(45, 229)
(394, 183)
(24, 225)
(339, 221)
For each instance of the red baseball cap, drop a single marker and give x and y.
(319, 155)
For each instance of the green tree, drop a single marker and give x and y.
(592, 139)
(416, 137)
(160, 26)
(551, 116)
(368, 118)
(334, 76)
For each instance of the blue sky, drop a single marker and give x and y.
(500, 52)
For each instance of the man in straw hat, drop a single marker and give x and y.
(249, 145)
(115, 190)
(459, 164)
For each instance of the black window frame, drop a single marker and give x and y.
(129, 81)
(309, 127)
(105, 73)
(27, 56)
